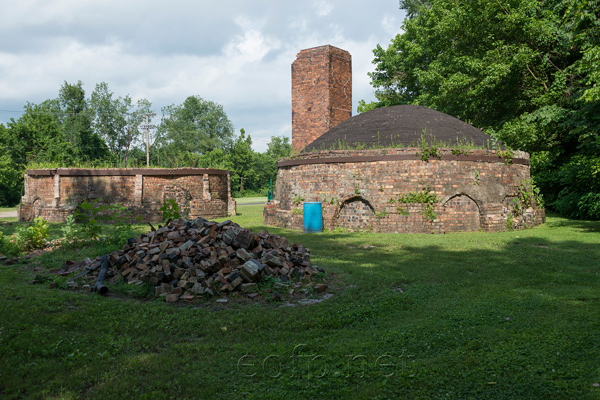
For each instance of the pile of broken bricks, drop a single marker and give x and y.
(186, 259)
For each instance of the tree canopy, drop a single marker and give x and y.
(525, 71)
(197, 126)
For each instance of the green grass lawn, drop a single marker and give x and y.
(461, 316)
(249, 200)
(5, 209)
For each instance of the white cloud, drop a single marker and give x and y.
(252, 46)
(322, 7)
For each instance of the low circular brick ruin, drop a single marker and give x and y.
(396, 186)
(56, 193)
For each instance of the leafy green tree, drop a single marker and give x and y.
(77, 123)
(36, 137)
(197, 126)
(117, 120)
(241, 160)
(11, 177)
(525, 71)
(279, 147)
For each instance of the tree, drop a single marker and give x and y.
(108, 118)
(35, 138)
(525, 71)
(77, 123)
(197, 126)
(11, 177)
(242, 164)
(38, 136)
(117, 121)
(279, 147)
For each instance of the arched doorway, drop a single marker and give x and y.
(461, 214)
(355, 214)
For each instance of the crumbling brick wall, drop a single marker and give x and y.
(359, 190)
(55, 193)
(321, 92)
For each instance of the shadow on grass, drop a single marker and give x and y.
(584, 226)
(472, 315)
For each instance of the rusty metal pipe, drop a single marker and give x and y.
(99, 286)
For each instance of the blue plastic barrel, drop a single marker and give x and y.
(313, 217)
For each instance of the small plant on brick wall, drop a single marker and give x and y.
(380, 215)
(425, 197)
(402, 211)
(477, 177)
(332, 201)
(428, 150)
(509, 221)
(298, 200)
(529, 194)
(459, 152)
(297, 211)
(506, 154)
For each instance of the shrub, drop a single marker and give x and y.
(92, 214)
(170, 210)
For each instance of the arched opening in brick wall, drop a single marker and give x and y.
(461, 214)
(355, 214)
(36, 210)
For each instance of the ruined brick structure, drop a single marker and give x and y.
(321, 92)
(362, 169)
(55, 193)
(359, 191)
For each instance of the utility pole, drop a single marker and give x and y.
(147, 127)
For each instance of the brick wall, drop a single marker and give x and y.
(321, 92)
(55, 194)
(473, 191)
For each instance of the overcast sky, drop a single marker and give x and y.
(235, 52)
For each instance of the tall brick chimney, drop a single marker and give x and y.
(321, 92)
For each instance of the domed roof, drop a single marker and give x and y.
(399, 126)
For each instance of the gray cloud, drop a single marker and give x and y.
(235, 52)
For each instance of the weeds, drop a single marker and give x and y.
(170, 210)
(298, 200)
(425, 197)
(25, 238)
(92, 215)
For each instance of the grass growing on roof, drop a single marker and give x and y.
(466, 315)
(427, 140)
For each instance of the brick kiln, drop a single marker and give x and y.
(385, 170)
(55, 193)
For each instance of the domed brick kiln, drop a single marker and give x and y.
(405, 169)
